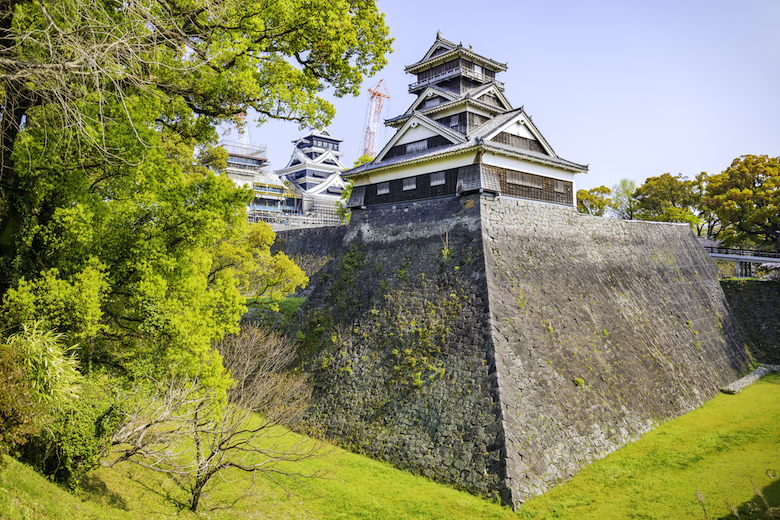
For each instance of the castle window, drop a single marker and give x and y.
(558, 186)
(383, 188)
(416, 146)
(437, 179)
(410, 183)
(524, 179)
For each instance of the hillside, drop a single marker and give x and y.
(718, 449)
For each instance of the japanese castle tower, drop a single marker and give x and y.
(315, 165)
(461, 135)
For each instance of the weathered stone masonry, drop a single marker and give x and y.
(500, 345)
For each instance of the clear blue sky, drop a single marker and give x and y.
(634, 89)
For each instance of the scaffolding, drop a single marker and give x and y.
(252, 151)
(319, 212)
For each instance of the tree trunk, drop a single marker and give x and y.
(197, 493)
(14, 201)
(17, 101)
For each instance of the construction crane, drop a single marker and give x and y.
(373, 113)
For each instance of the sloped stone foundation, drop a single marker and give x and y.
(500, 345)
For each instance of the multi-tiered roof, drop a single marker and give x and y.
(461, 134)
(315, 165)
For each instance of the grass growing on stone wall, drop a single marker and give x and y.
(720, 449)
(288, 306)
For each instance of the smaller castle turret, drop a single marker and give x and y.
(313, 174)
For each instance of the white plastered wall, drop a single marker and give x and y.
(445, 163)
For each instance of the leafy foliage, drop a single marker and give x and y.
(50, 370)
(667, 199)
(623, 202)
(75, 437)
(110, 229)
(746, 198)
(19, 410)
(342, 211)
(594, 201)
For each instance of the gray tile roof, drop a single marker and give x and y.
(461, 99)
(487, 127)
(459, 47)
(475, 139)
(452, 133)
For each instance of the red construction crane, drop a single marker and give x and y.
(373, 115)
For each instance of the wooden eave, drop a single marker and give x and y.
(447, 133)
(398, 121)
(447, 56)
(479, 146)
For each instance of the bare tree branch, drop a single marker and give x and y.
(186, 431)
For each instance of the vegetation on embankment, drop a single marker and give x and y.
(354, 487)
(720, 449)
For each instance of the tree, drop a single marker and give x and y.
(623, 202)
(74, 68)
(188, 434)
(110, 229)
(746, 198)
(666, 199)
(363, 159)
(709, 224)
(593, 201)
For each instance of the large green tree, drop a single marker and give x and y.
(666, 198)
(746, 198)
(111, 230)
(709, 225)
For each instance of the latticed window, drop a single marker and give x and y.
(383, 188)
(410, 183)
(559, 186)
(437, 179)
(416, 146)
(524, 179)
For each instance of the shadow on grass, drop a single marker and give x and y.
(765, 506)
(96, 489)
(152, 486)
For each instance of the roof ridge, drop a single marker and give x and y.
(460, 137)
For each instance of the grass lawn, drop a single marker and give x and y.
(719, 449)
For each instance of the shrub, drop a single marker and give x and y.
(50, 367)
(18, 408)
(76, 436)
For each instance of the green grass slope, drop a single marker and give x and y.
(721, 449)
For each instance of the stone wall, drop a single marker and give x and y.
(397, 335)
(602, 328)
(756, 308)
(500, 345)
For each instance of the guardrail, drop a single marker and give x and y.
(454, 72)
(741, 252)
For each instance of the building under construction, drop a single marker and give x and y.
(303, 194)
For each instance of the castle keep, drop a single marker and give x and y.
(461, 135)
(477, 329)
